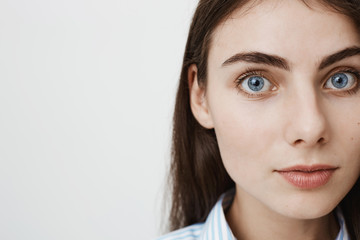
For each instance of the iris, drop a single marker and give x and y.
(339, 80)
(256, 83)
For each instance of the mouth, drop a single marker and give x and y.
(307, 177)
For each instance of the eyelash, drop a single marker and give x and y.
(249, 73)
(252, 72)
(348, 70)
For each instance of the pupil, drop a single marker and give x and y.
(256, 83)
(339, 80)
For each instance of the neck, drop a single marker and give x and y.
(252, 220)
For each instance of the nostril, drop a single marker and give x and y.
(298, 141)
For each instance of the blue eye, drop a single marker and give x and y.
(254, 84)
(340, 81)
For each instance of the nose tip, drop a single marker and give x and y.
(307, 125)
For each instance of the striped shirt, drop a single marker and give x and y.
(216, 228)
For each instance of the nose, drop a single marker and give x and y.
(306, 122)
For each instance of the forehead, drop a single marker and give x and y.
(284, 28)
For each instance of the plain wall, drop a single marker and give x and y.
(87, 90)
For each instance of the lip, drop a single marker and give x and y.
(308, 176)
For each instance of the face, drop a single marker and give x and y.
(285, 107)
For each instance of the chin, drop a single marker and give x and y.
(308, 208)
(310, 213)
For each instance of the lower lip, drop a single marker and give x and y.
(308, 180)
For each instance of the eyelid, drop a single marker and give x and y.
(349, 70)
(343, 92)
(254, 72)
(336, 70)
(251, 72)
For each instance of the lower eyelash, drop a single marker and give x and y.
(354, 90)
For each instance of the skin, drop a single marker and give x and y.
(298, 120)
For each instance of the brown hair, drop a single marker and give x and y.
(197, 175)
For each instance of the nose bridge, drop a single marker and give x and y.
(306, 118)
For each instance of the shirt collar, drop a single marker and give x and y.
(216, 226)
(343, 233)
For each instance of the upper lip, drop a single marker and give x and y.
(307, 168)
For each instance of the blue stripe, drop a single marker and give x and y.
(187, 236)
(207, 226)
(212, 225)
(228, 232)
(219, 220)
(175, 236)
(341, 230)
(190, 230)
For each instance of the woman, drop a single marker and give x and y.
(266, 141)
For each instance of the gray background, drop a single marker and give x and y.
(86, 97)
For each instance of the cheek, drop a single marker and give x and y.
(344, 122)
(246, 135)
(349, 146)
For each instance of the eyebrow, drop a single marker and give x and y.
(340, 55)
(276, 61)
(258, 57)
